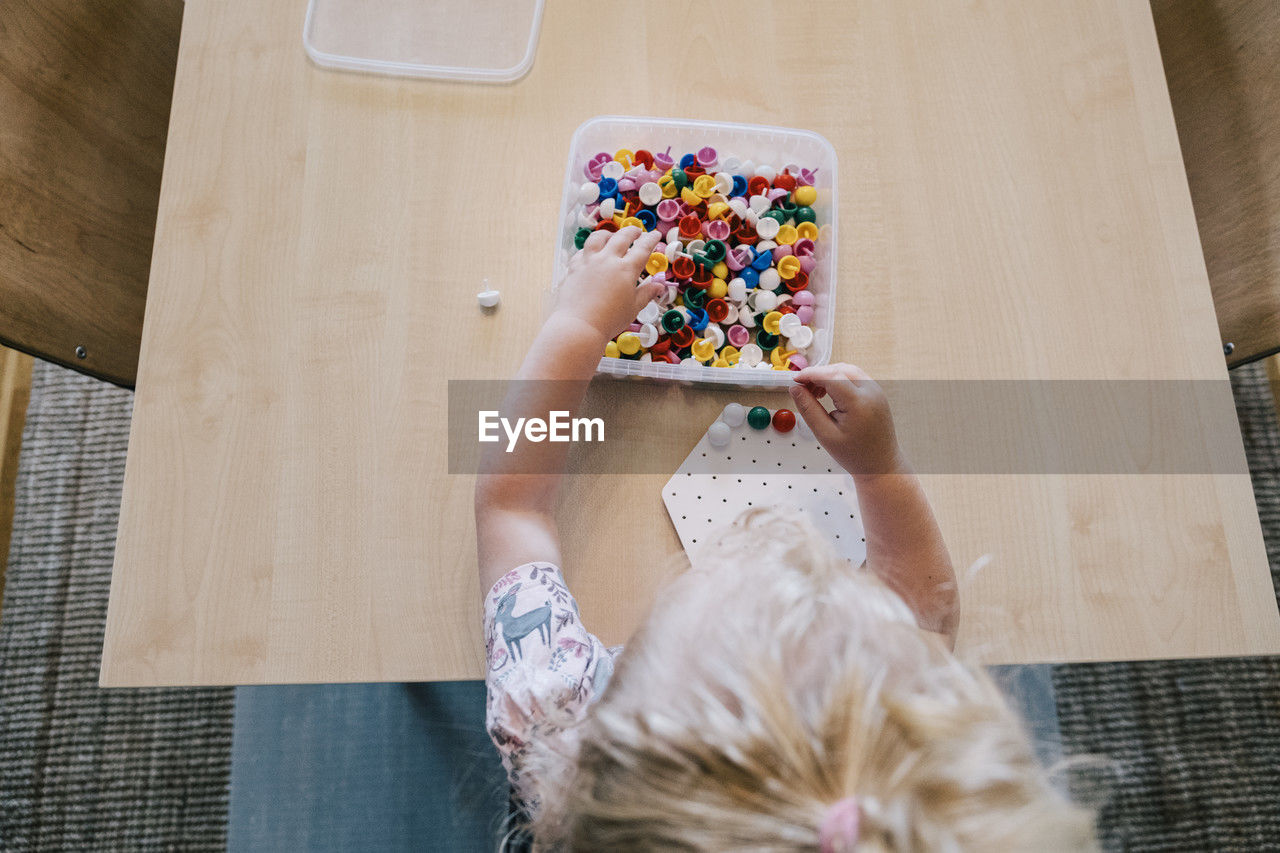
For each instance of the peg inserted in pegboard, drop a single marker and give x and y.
(721, 479)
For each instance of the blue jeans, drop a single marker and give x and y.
(409, 767)
(376, 767)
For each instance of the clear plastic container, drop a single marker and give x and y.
(775, 146)
(479, 41)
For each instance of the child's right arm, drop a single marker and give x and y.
(904, 545)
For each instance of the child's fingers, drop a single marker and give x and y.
(815, 387)
(622, 239)
(596, 241)
(818, 419)
(843, 392)
(842, 382)
(838, 370)
(646, 293)
(643, 247)
(857, 374)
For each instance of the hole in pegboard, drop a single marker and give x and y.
(824, 498)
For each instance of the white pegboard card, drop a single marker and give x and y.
(789, 471)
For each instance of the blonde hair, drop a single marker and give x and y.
(774, 680)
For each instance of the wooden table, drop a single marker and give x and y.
(1013, 205)
(85, 87)
(1220, 58)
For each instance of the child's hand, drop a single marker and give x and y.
(858, 432)
(600, 288)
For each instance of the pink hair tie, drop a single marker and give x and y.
(839, 831)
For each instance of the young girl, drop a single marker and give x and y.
(775, 699)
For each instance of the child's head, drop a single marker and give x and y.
(769, 686)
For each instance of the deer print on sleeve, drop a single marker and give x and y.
(516, 628)
(544, 668)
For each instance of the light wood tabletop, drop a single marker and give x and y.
(1013, 206)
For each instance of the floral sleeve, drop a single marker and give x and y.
(544, 668)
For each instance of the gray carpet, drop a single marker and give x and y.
(1194, 746)
(83, 768)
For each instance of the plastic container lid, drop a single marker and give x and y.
(481, 41)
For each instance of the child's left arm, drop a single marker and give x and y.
(516, 492)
